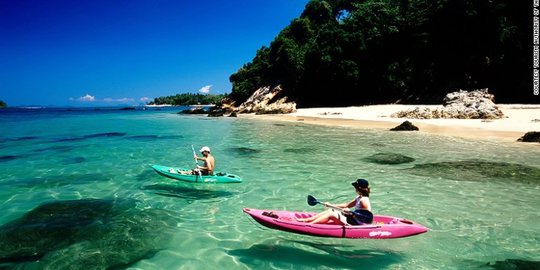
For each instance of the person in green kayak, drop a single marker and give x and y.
(209, 162)
(345, 217)
(206, 169)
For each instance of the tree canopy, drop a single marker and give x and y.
(2, 104)
(347, 52)
(187, 99)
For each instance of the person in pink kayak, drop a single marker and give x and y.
(345, 217)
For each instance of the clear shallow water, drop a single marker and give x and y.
(105, 207)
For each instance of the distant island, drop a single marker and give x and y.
(347, 52)
(2, 104)
(186, 99)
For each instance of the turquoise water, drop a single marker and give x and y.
(77, 191)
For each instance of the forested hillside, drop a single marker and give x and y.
(344, 52)
(187, 99)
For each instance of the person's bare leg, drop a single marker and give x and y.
(310, 219)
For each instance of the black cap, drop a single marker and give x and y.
(361, 183)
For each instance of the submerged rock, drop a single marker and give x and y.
(106, 135)
(54, 181)
(478, 170)
(243, 150)
(84, 234)
(388, 158)
(8, 158)
(515, 264)
(304, 150)
(531, 136)
(73, 160)
(405, 126)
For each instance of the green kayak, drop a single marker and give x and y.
(174, 172)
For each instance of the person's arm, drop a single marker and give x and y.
(346, 205)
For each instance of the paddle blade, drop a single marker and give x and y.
(311, 200)
(364, 216)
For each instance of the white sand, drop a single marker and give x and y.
(517, 121)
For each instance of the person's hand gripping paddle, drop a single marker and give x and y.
(362, 215)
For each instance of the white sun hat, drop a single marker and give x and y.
(205, 148)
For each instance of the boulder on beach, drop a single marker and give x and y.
(405, 126)
(477, 104)
(531, 136)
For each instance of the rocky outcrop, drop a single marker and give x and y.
(476, 104)
(224, 106)
(531, 136)
(193, 111)
(405, 126)
(263, 102)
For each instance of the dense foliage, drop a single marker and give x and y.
(346, 52)
(2, 104)
(187, 99)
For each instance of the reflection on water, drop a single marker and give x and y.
(188, 193)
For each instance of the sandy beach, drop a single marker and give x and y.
(518, 120)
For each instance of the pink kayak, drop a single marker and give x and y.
(383, 227)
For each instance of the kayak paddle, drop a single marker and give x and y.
(363, 215)
(196, 163)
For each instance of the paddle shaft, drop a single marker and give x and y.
(345, 211)
(333, 207)
(196, 163)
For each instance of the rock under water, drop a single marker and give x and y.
(84, 234)
(515, 264)
(243, 150)
(388, 158)
(302, 150)
(477, 170)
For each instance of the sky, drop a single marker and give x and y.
(99, 53)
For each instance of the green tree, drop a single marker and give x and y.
(2, 104)
(187, 99)
(347, 52)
